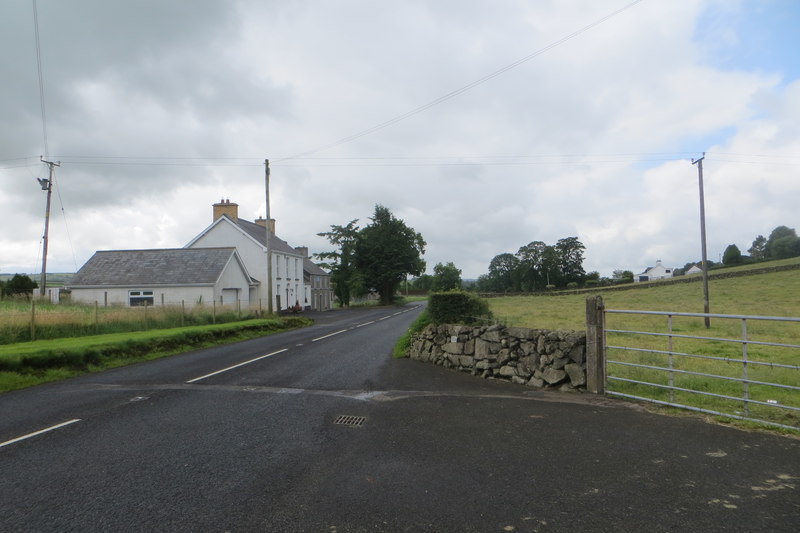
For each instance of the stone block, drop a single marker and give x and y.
(491, 336)
(577, 376)
(553, 376)
(536, 382)
(559, 363)
(518, 380)
(453, 348)
(506, 371)
(467, 361)
(578, 353)
(521, 333)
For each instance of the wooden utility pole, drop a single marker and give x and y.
(47, 185)
(269, 248)
(699, 163)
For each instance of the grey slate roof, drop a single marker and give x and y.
(171, 266)
(259, 233)
(313, 269)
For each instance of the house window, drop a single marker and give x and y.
(139, 298)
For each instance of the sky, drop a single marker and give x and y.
(484, 125)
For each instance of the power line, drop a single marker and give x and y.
(41, 78)
(465, 88)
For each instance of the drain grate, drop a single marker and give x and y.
(350, 420)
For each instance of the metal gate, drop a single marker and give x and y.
(743, 367)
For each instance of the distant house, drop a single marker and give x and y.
(164, 277)
(293, 274)
(659, 271)
(694, 270)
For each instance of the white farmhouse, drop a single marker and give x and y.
(289, 274)
(173, 276)
(659, 271)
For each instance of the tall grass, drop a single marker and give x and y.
(51, 321)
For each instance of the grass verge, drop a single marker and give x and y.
(31, 363)
(404, 342)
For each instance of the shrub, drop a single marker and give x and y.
(457, 307)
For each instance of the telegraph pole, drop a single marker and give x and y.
(269, 248)
(699, 163)
(47, 185)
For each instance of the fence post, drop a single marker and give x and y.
(214, 311)
(96, 317)
(33, 319)
(595, 350)
(183, 312)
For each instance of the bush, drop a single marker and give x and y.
(457, 307)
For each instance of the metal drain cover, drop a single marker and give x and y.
(350, 420)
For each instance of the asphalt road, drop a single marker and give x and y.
(196, 443)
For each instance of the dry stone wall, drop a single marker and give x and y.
(534, 357)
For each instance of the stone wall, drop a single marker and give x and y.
(535, 357)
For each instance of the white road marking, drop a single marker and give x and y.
(236, 366)
(365, 324)
(328, 335)
(45, 430)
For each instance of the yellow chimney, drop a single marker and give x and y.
(226, 207)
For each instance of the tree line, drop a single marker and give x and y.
(782, 243)
(536, 266)
(18, 285)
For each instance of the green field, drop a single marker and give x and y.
(769, 294)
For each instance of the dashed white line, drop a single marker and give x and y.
(365, 324)
(328, 335)
(236, 366)
(45, 430)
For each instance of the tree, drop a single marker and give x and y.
(20, 285)
(386, 251)
(570, 260)
(446, 277)
(622, 276)
(504, 273)
(531, 265)
(758, 251)
(732, 256)
(422, 283)
(344, 277)
(782, 243)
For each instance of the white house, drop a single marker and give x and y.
(173, 276)
(694, 270)
(289, 275)
(659, 271)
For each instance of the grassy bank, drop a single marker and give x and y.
(30, 363)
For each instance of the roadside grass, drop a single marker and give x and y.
(51, 321)
(31, 363)
(404, 342)
(765, 294)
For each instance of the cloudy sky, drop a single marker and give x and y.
(484, 125)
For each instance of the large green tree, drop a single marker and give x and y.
(532, 274)
(782, 243)
(732, 256)
(504, 273)
(341, 262)
(386, 251)
(446, 277)
(570, 260)
(758, 250)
